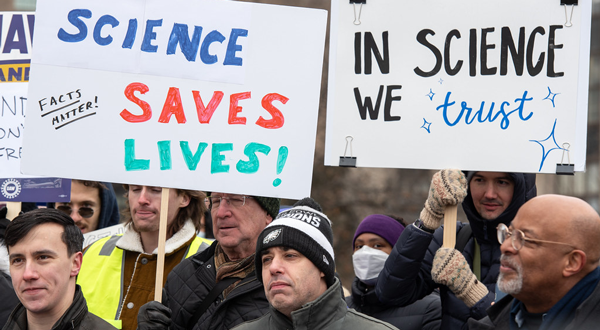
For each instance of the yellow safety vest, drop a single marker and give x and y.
(104, 284)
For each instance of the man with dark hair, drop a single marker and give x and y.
(549, 268)
(295, 261)
(217, 288)
(119, 272)
(93, 205)
(45, 256)
(466, 277)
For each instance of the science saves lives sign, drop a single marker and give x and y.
(207, 95)
(476, 84)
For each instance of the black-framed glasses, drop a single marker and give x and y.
(518, 238)
(235, 201)
(84, 212)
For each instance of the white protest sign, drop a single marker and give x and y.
(15, 54)
(477, 85)
(206, 95)
(91, 237)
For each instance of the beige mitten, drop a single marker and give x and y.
(452, 270)
(448, 187)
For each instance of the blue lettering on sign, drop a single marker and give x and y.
(74, 18)
(104, 20)
(150, 35)
(16, 28)
(190, 47)
(130, 36)
(481, 115)
(233, 47)
(179, 35)
(205, 56)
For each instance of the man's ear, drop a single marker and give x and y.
(185, 200)
(269, 219)
(77, 258)
(574, 263)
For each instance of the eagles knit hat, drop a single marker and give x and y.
(271, 205)
(305, 230)
(388, 228)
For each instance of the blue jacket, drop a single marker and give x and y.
(406, 276)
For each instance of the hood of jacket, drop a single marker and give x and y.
(109, 210)
(525, 189)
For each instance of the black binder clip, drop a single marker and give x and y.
(569, 18)
(568, 168)
(346, 161)
(360, 3)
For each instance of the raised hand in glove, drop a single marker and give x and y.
(154, 316)
(448, 187)
(452, 270)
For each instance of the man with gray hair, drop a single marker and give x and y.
(217, 288)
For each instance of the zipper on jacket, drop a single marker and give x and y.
(485, 232)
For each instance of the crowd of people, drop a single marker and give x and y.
(520, 262)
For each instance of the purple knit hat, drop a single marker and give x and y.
(381, 225)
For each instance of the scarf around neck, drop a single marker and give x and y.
(227, 268)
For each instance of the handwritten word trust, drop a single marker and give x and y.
(483, 114)
(190, 47)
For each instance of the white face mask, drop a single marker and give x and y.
(368, 263)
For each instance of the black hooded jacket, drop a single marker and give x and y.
(109, 208)
(406, 276)
(109, 211)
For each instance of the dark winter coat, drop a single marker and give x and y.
(587, 315)
(109, 211)
(76, 317)
(8, 298)
(425, 314)
(191, 281)
(406, 276)
(328, 311)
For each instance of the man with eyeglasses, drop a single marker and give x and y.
(93, 205)
(217, 288)
(466, 278)
(549, 268)
(119, 272)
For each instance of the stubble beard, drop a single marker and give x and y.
(511, 286)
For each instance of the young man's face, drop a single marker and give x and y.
(492, 192)
(43, 274)
(290, 279)
(144, 205)
(83, 198)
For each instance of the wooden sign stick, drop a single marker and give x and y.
(12, 210)
(450, 226)
(162, 238)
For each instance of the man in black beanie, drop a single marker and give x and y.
(217, 288)
(295, 263)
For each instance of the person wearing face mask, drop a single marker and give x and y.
(372, 243)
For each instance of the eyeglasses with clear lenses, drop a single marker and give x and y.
(84, 212)
(235, 201)
(518, 238)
